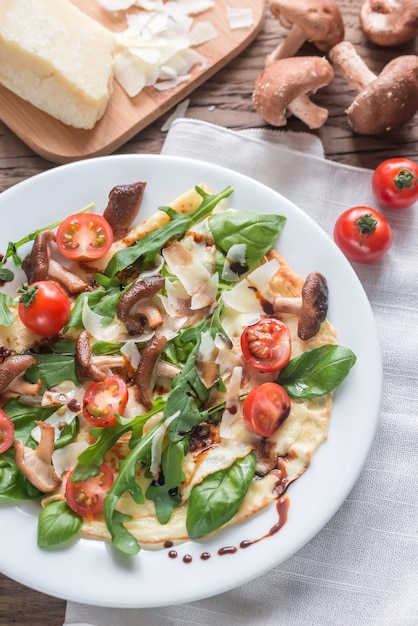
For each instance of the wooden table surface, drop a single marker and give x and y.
(225, 100)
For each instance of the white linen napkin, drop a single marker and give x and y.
(362, 568)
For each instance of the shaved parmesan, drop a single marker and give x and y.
(65, 458)
(178, 112)
(58, 420)
(239, 18)
(156, 47)
(93, 323)
(235, 257)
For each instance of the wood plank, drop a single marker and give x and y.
(126, 116)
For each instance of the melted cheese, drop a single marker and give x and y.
(57, 58)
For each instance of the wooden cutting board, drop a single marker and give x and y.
(125, 116)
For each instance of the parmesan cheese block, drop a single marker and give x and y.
(57, 58)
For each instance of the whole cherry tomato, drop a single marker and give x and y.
(86, 497)
(44, 307)
(103, 399)
(84, 237)
(265, 408)
(363, 234)
(7, 431)
(395, 183)
(266, 345)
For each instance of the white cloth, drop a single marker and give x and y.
(362, 568)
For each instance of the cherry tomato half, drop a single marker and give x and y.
(44, 307)
(86, 497)
(103, 399)
(363, 234)
(395, 183)
(265, 408)
(84, 237)
(7, 431)
(266, 345)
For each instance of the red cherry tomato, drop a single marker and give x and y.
(84, 237)
(395, 183)
(265, 408)
(86, 497)
(44, 307)
(266, 345)
(102, 400)
(7, 431)
(363, 234)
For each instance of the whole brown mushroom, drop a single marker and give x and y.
(316, 21)
(385, 102)
(283, 88)
(389, 22)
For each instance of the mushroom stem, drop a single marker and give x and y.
(36, 464)
(149, 358)
(305, 110)
(345, 58)
(289, 46)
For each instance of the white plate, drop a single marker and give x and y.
(92, 572)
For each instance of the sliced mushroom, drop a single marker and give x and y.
(123, 205)
(317, 21)
(39, 266)
(140, 291)
(389, 22)
(10, 375)
(85, 367)
(284, 87)
(90, 367)
(143, 375)
(36, 464)
(312, 306)
(385, 102)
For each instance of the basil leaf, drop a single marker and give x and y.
(215, 500)
(316, 372)
(6, 316)
(23, 417)
(147, 247)
(53, 369)
(13, 484)
(257, 231)
(57, 523)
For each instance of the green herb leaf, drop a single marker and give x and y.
(13, 484)
(57, 524)
(6, 316)
(215, 500)
(257, 231)
(316, 372)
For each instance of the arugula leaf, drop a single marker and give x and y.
(316, 372)
(57, 523)
(257, 231)
(126, 482)
(90, 460)
(147, 247)
(215, 500)
(6, 316)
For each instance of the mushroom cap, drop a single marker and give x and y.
(284, 80)
(321, 20)
(314, 305)
(388, 102)
(389, 22)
